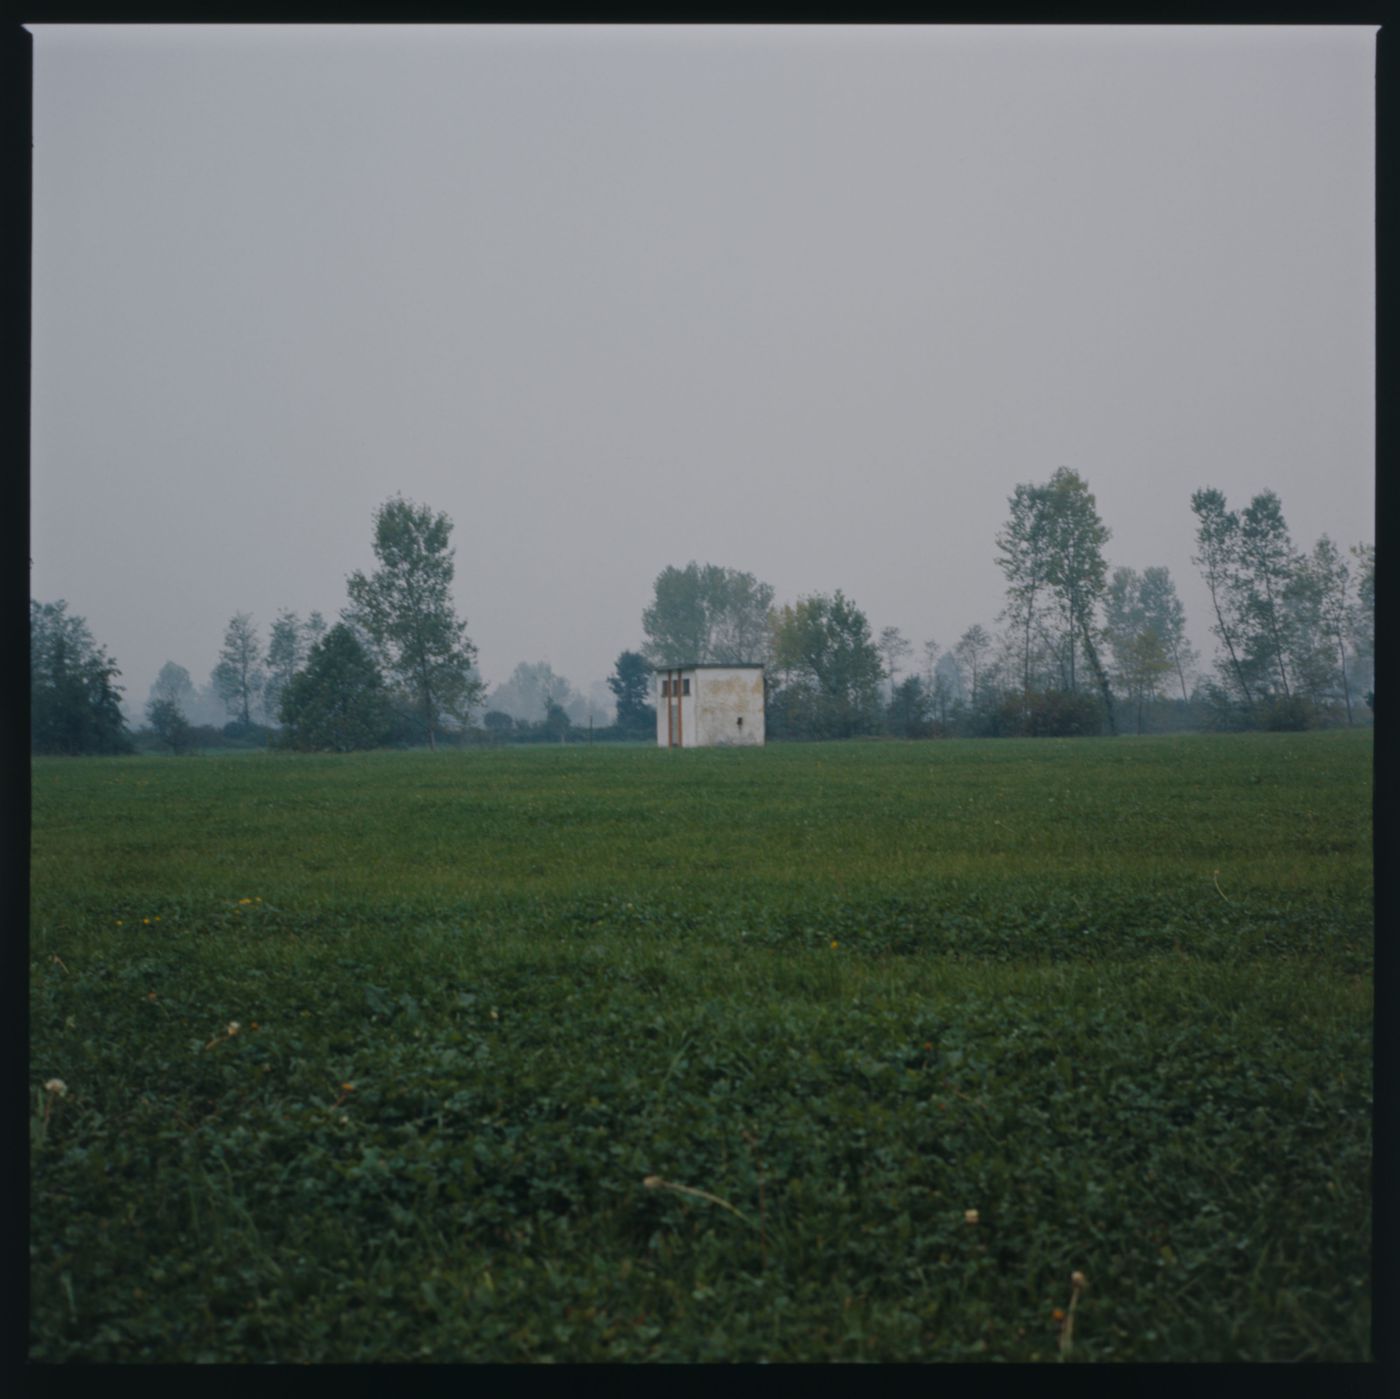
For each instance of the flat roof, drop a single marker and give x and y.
(713, 665)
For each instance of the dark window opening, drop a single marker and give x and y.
(740, 721)
(685, 687)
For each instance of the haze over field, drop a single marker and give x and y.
(803, 302)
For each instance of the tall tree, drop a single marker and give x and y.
(1364, 617)
(1326, 579)
(239, 675)
(338, 701)
(946, 690)
(1145, 627)
(1218, 557)
(705, 614)
(825, 644)
(1023, 556)
(75, 702)
(533, 686)
(1164, 613)
(174, 686)
(970, 652)
(630, 683)
(931, 650)
(893, 648)
(405, 608)
(287, 644)
(910, 708)
(169, 724)
(1268, 565)
(1135, 640)
(1076, 572)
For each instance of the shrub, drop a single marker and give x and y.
(338, 702)
(1285, 714)
(1049, 714)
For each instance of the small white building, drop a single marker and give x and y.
(709, 706)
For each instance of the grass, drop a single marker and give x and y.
(1113, 996)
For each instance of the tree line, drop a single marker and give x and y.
(1083, 648)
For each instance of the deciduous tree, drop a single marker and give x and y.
(893, 648)
(338, 701)
(1023, 556)
(970, 653)
(824, 644)
(1218, 557)
(532, 687)
(705, 614)
(1076, 572)
(405, 608)
(174, 685)
(169, 725)
(75, 702)
(1268, 565)
(1164, 613)
(239, 675)
(287, 645)
(631, 684)
(1324, 580)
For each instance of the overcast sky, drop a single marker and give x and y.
(805, 302)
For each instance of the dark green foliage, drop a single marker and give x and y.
(75, 702)
(338, 703)
(829, 669)
(1052, 714)
(170, 727)
(1285, 714)
(1218, 557)
(909, 712)
(405, 607)
(632, 683)
(1115, 997)
(556, 722)
(498, 724)
(1051, 553)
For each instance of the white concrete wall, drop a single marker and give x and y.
(708, 716)
(724, 697)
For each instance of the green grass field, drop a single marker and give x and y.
(588, 1054)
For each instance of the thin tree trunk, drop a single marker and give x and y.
(1092, 652)
(1346, 684)
(1229, 644)
(1278, 641)
(1180, 674)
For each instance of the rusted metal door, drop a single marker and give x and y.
(673, 691)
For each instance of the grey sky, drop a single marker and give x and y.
(805, 302)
